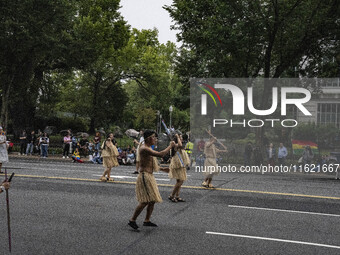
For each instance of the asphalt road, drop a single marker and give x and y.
(58, 207)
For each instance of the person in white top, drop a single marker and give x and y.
(44, 142)
(3, 148)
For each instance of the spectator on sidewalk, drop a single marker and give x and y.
(97, 157)
(76, 156)
(44, 142)
(97, 140)
(83, 146)
(307, 155)
(39, 149)
(122, 157)
(74, 143)
(3, 148)
(30, 142)
(23, 142)
(247, 154)
(282, 154)
(67, 142)
(271, 154)
(10, 146)
(130, 157)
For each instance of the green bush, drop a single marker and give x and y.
(76, 125)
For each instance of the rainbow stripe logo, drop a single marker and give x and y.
(201, 85)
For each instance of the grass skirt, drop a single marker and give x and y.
(109, 162)
(147, 189)
(210, 166)
(178, 173)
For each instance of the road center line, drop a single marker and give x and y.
(282, 210)
(274, 239)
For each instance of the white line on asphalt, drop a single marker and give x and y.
(282, 210)
(274, 239)
(131, 177)
(165, 174)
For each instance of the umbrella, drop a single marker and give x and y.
(118, 134)
(49, 130)
(64, 132)
(132, 133)
(102, 132)
(83, 134)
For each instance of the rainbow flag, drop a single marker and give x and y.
(299, 146)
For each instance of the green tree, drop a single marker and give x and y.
(152, 81)
(32, 32)
(246, 38)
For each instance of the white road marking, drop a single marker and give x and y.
(130, 177)
(282, 210)
(274, 239)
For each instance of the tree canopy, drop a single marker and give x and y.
(80, 59)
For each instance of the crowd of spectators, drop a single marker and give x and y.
(76, 147)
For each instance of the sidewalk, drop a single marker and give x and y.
(55, 157)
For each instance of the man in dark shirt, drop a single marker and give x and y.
(30, 142)
(83, 143)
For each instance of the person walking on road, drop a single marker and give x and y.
(109, 154)
(180, 160)
(210, 164)
(147, 192)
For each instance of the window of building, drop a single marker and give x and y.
(329, 114)
(329, 82)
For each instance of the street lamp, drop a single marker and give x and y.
(170, 110)
(160, 123)
(157, 126)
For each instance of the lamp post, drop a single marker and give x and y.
(157, 126)
(170, 110)
(160, 123)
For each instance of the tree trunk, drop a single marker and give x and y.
(5, 103)
(95, 91)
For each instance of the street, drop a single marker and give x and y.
(60, 207)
